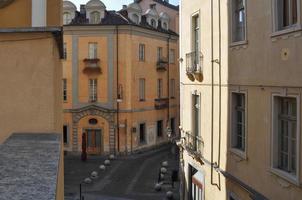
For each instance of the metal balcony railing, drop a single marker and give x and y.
(92, 65)
(194, 143)
(161, 103)
(194, 61)
(162, 64)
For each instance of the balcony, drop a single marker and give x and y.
(162, 64)
(193, 144)
(92, 65)
(194, 65)
(161, 103)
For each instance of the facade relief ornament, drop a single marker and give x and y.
(4, 3)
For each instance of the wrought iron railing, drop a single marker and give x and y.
(194, 143)
(194, 62)
(162, 64)
(92, 65)
(161, 103)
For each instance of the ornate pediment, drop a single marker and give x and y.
(4, 3)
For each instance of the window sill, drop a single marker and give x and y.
(239, 43)
(239, 153)
(287, 31)
(142, 100)
(286, 176)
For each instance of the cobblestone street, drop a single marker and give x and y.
(127, 178)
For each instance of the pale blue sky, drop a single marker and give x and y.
(113, 4)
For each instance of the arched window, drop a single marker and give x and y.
(95, 17)
(66, 18)
(153, 23)
(165, 26)
(135, 18)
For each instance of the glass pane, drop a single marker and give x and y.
(294, 12)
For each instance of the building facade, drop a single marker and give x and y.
(31, 44)
(240, 101)
(120, 77)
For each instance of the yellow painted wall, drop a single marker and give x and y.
(19, 14)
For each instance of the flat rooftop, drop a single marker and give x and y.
(29, 166)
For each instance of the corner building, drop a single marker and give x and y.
(240, 100)
(120, 83)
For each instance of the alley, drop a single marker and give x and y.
(127, 178)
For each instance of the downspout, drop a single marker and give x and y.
(168, 77)
(117, 90)
(212, 91)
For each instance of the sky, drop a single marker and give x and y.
(113, 4)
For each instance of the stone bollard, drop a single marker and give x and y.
(102, 167)
(87, 181)
(169, 195)
(111, 157)
(107, 162)
(157, 187)
(94, 175)
(165, 164)
(163, 170)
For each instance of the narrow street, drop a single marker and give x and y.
(127, 178)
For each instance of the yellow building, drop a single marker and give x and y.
(31, 44)
(120, 77)
(240, 99)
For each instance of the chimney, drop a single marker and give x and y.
(82, 9)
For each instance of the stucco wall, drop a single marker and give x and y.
(31, 95)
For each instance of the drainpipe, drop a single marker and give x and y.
(168, 77)
(117, 90)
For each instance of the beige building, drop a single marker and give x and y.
(30, 73)
(240, 99)
(120, 76)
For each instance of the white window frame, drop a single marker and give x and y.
(193, 41)
(274, 138)
(141, 52)
(239, 152)
(65, 50)
(93, 85)
(195, 93)
(92, 50)
(159, 53)
(142, 89)
(244, 41)
(276, 30)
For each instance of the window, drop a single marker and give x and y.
(159, 88)
(135, 18)
(65, 51)
(165, 26)
(141, 52)
(239, 21)
(93, 90)
(142, 133)
(172, 56)
(238, 121)
(196, 115)
(159, 53)
(66, 18)
(95, 17)
(65, 134)
(285, 135)
(172, 88)
(65, 90)
(286, 13)
(153, 23)
(142, 89)
(159, 128)
(92, 50)
(195, 38)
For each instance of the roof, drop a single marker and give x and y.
(29, 165)
(116, 18)
(164, 3)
